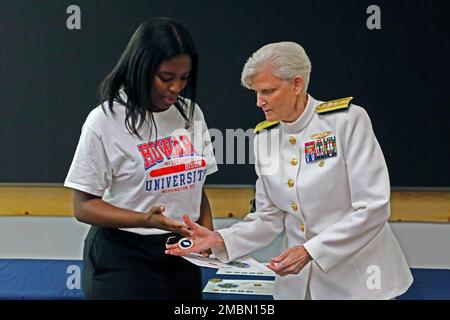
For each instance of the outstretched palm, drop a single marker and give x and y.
(202, 238)
(156, 219)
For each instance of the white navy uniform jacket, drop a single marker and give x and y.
(337, 208)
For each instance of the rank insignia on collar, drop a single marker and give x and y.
(321, 148)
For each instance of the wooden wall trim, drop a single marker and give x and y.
(225, 202)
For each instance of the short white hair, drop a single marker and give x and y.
(285, 59)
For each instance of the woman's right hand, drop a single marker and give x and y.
(156, 219)
(203, 239)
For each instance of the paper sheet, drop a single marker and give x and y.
(243, 266)
(234, 271)
(202, 261)
(254, 287)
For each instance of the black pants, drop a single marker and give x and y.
(123, 265)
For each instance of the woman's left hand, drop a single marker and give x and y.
(291, 261)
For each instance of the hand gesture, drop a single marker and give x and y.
(203, 239)
(291, 261)
(156, 219)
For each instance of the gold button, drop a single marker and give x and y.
(292, 140)
(294, 161)
(290, 183)
(294, 206)
(322, 164)
(302, 227)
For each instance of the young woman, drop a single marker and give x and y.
(140, 164)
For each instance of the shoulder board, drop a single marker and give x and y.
(339, 104)
(265, 125)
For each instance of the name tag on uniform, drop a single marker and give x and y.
(322, 147)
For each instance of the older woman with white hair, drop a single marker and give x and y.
(322, 179)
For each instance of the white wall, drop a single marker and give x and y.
(426, 245)
(41, 237)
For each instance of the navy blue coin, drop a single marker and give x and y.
(185, 243)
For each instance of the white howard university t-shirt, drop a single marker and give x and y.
(167, 168)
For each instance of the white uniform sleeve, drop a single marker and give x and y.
(90, 170)
(370, 193)
(257, 230)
